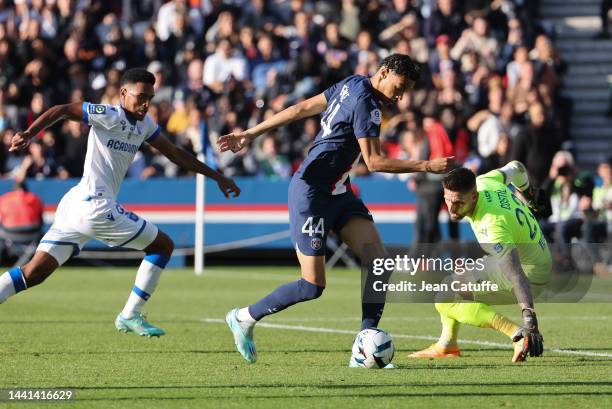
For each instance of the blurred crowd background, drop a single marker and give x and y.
(489, 93)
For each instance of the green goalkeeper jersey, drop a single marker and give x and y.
(501, 222)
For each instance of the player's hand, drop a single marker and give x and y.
(535, 199)
(533, 342)
(20, 141)
(234, 141)
(227, 186)
(441, 165)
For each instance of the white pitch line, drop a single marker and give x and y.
(422, 337)
(432, 318)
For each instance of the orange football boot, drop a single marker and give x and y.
(435, 351)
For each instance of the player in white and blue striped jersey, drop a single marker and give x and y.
(90, 209)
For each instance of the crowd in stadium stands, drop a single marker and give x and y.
(489, 90)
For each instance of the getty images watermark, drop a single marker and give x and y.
(463, 271)
(409, 265)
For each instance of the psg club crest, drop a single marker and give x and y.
(316, 243)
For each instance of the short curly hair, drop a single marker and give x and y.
(460, 180)
(134, 75)
(402, 64)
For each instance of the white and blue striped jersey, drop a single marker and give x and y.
(114, 139)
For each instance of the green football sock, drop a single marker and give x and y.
(476, 314)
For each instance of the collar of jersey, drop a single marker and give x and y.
(127, 116)
(477, 209)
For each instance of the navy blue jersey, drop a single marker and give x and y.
(352, 113)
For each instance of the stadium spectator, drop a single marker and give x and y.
(441, 61)
(476, 39)
(536, 144)
(487, 125)
(236, 61)
(407, 31)
(163, 91)
(446, 19)
(333, 49)
(602, 195)
(224, 64)
(21, 217)
(271, 163)
(174, 15)
(267, 67)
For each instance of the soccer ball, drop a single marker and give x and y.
(373, 348)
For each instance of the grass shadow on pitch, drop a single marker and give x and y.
(437, 394)
(546, 384)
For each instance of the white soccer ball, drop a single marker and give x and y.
(373, 348)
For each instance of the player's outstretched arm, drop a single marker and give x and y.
(235, 141)
(515, 174)
(377, 162)
(510, 265)
(73, 112)
(189, 162)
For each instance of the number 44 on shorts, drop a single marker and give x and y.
(319, 227)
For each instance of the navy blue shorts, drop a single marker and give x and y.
(313, 213)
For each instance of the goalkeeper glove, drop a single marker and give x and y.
(536, 199)
(533, 342)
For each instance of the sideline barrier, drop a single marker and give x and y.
(257, 219)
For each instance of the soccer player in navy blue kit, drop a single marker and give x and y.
(320, 197)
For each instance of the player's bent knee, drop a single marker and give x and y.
(162, 244)
(309, 291)
(39, 268)
(169, 245)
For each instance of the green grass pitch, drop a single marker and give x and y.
(61, 335)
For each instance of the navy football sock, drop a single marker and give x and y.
(373, 302)
(285, 296)
(371, 314)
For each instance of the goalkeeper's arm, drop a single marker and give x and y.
(510, 265)
(515, 174)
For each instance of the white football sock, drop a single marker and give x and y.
(6, 287)
(11, 283)
(147, 278)
(244, 316)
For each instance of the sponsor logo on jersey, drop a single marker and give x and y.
(97, 109)
(488, 196)
(121, 146)
(376, 116)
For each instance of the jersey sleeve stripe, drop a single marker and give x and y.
(85, 109)
(154, 134)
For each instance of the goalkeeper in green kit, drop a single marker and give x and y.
(518, 261)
